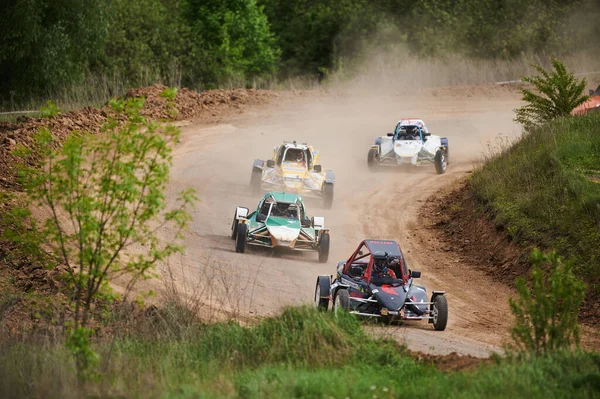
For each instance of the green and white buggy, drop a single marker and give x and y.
(280, 220)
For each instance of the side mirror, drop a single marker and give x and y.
(415, 274)
(306, 222)
(318, 168)
(261, 217)
(390, 134)
(270, 163)
(360, 252)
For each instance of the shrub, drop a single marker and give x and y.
(104, 194)
(560, 92)
(546, 313)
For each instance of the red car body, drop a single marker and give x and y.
(591, 105)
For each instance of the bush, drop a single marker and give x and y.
(546, 314)
(104, 194)
(560, 93)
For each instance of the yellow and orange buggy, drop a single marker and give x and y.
(294, 168)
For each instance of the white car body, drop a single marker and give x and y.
(410, 143)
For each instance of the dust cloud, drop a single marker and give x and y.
(342, 123)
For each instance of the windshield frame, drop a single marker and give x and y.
(399, 129)
(298, 211)
(303, 151)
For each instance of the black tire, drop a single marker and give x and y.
(341, 300)
(255, 180)
(373, 159)
(324, 248)
(327, 195)
(321, 303)
(440, 314)
(240, 239)
(234, 228)
(441, 163)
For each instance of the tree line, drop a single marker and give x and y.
(49, 45)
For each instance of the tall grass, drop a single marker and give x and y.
(544, 190)
(94, 90)
(390, 68)
(302, 353)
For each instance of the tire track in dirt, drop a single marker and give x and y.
(476, 325)
(217, 159)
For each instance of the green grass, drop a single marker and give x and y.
(302, 354)
(541, 190)
(13, 117)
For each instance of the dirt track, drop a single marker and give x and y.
(216, 159)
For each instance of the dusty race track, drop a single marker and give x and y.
(216, 160)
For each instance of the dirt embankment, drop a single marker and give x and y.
(465, 230)
(459, 221)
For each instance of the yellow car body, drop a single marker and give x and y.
(294, 168)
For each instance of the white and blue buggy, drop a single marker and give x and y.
(410, 143)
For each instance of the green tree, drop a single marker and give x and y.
(488, 28)
(546, 311)
(147, 41)
(103, 195)
(312, 35)
(559, 93)
(230, 40)
(47, 44)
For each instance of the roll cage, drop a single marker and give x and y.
(402, 132)
(266, 207)
(363, 255)
(282, 153)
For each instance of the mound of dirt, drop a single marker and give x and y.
(451, 361)
(188, 104)
(461, 92)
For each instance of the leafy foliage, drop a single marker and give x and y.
(47, 44)
(302, 353)
(230, 39)
(169, 94)
(103, 195)
(560, 92)
(546, 314)
(490, 28)
(146, 42)
(313, 35)
(78, 343)
(54, 47)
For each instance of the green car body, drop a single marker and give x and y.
(280, 220)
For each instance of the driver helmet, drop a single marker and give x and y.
(379, 266)
(291, 212)
(394, 261)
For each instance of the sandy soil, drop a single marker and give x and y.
(216, 160)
